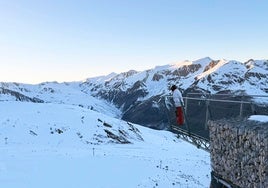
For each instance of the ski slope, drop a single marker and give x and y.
(62, 145)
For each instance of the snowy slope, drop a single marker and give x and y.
(61, 145)
(60, 93)
(42, 123)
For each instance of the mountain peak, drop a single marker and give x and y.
(203, 61)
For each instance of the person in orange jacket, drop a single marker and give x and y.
(178, 100)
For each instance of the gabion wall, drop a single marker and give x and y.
(239, 152)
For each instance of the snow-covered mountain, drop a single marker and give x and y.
(206, 74)
(140, 96)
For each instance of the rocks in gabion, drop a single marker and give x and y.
(239, 152)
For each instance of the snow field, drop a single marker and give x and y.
(64, 159)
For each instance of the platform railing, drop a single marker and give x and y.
(200, 108)
(240, 102)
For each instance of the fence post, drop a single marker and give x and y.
(186, 103)
(253, 110)
(241, 107)
(207, 114)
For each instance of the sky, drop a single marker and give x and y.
(71, 40)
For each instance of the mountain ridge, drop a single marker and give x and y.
(141, 95)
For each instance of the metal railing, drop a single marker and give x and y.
(241, 106)
(200, 108)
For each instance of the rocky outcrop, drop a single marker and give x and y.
(19, 97)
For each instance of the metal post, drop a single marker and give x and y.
(241, 108)
(186, 103)
(253, 110)
(207, 114)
